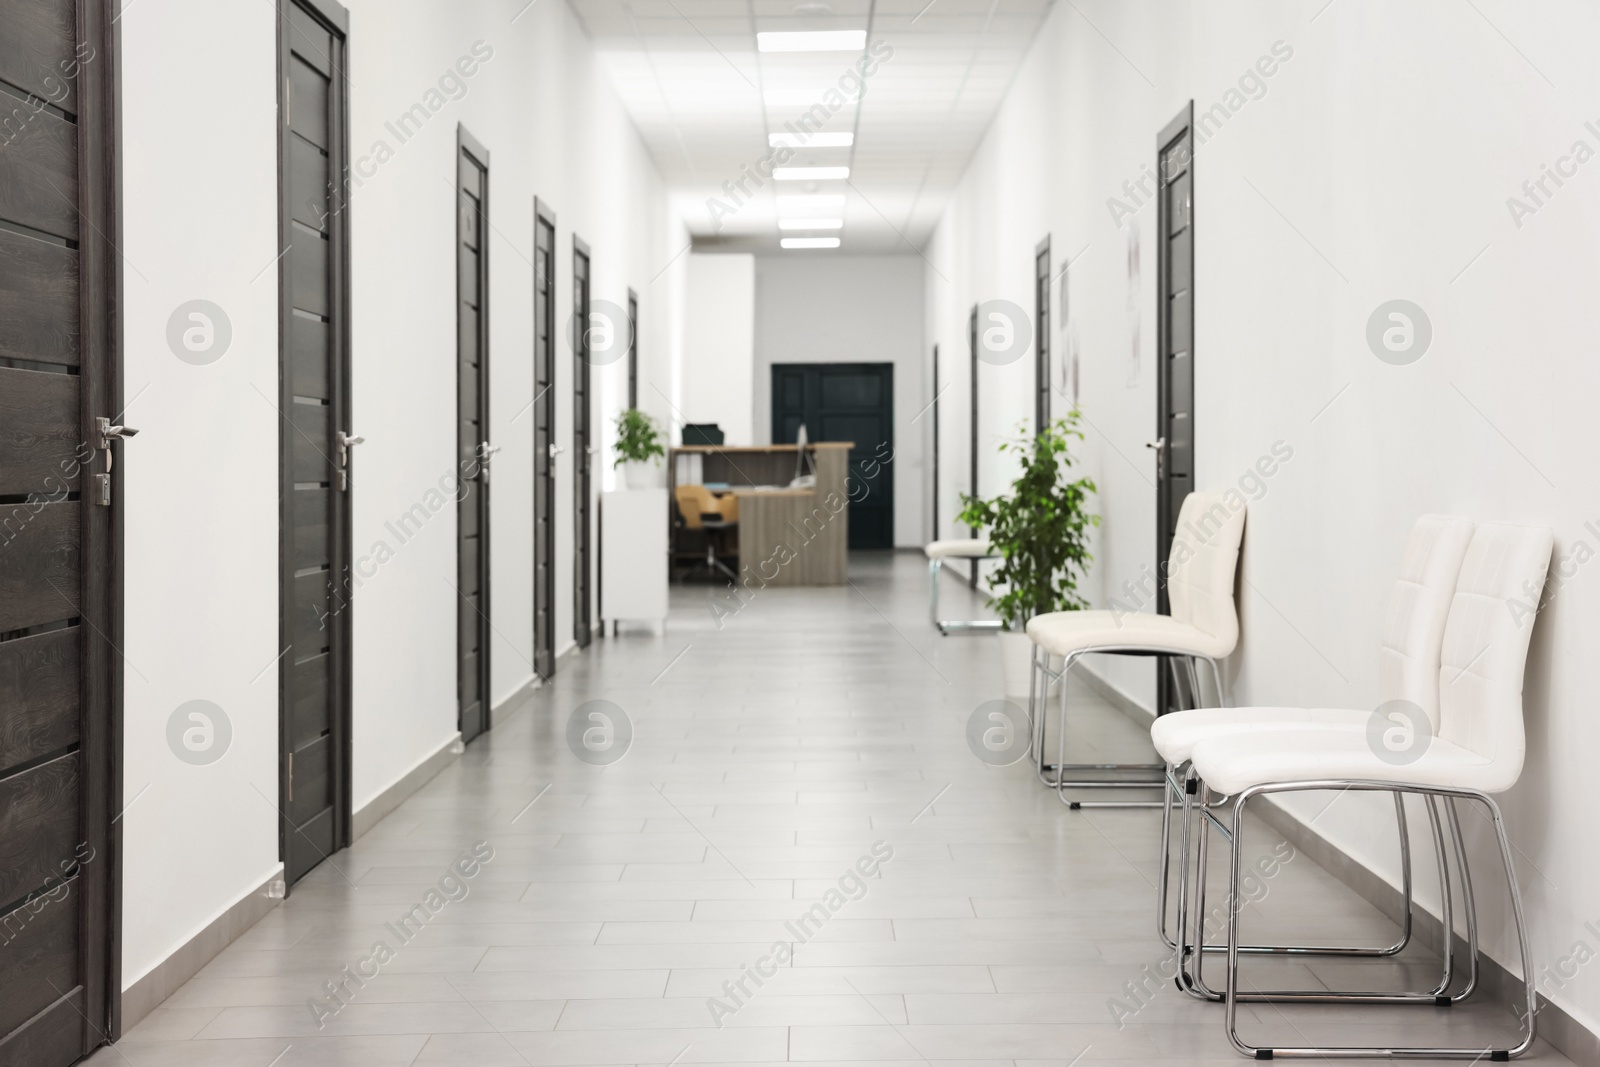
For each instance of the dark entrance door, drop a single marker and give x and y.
(474, 453)
(316, 442)
(1174, 444)
(582, 452)
(544, 439)
(60, 586)
(845, 402)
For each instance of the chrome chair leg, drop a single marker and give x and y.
(948, 626)
(1469, 903)
(1194, 981)
(1061, 767)
(1233, 996)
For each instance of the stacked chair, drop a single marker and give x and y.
(1454, 651)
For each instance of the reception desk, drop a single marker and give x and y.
(786, 536)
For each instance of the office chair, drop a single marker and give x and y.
(700, 509)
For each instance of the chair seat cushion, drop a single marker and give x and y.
(1175, 734)
(1063, 632)
(1232, 764)
(966, 548)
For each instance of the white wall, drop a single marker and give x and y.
(202, 530)
(200, 483)
(719, 340)
(1375, 163)
(851, 309)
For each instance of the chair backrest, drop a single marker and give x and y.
(1486, 643)
(1205, 553)
(1413, 628)
(693, 501)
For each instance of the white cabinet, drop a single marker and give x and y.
(633, 556)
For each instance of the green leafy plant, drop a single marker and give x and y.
(638, 437)
(1040, 529)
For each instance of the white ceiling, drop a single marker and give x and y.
(698, 89)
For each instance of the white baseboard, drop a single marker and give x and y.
(163, 980)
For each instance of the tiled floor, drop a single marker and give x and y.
(770, 756)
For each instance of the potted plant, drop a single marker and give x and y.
(638, 442)
(1040, 531)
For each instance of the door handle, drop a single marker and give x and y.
(486, 453)
(108, 433)
(346, 442)
(556, 450)
(1160, 445)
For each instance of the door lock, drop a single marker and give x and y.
(107, 433)
(346, 442)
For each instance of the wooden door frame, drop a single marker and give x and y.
(633, 353)
(1181, 124)
(583, 570)
(340, 727)
(101, 324)
(545, 403)
(934, 410)
(469, 146)
(1041, 337)
(972, 428)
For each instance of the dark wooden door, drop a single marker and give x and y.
(474, 453)
(544, 440)
(972, 429)
(1041, 336)
(933, 500)
(633, 349)
(1174, 350)
(845, 402)
(317, 447)
(582, 452)
(60, 523)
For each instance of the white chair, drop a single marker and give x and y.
(1477, 752)
(1203, 625)
(972, 549)
(1408, 669)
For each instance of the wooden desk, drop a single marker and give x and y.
(787, 537)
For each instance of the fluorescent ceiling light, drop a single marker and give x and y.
(822, 202)
(809, 242)
(816, 140)
(800, 174)
(811, 224)
(812, 41)
(794, 97)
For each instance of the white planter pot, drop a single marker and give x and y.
(641, 474)
(1016, 657)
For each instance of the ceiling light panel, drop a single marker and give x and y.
(812, 41)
